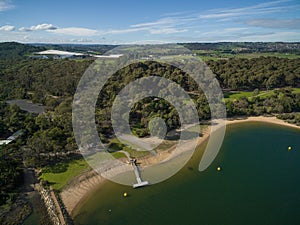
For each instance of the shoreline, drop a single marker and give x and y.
(74, 194)
(263, 119)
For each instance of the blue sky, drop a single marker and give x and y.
(119, 22)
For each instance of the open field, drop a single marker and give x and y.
(59, 175)
(249, 94)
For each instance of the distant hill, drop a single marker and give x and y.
(17, 50)
(81, 48)
(246, 47)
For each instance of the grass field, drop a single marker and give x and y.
(250, 94)
(59, 175)
(296, 90)
(132, 152)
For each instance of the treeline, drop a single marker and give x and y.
(37, 78)
(261, 73)
(282, 101)
(293, 118)
(14, 50)
(237, 74)
(53, 83)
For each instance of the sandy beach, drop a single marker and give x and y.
(264, 119)
(80, 187)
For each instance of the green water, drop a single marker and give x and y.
(259, 184)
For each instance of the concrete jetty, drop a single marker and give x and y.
(140, 182)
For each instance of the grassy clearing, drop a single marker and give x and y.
(266, 94)
(136, 154)
(59, 175)
(132, 152)
(197, 128)
(296, 90)
(118, 155)
(237, 95)
(250, 94)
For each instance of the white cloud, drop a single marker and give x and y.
(75, 31)
(163, 21)
(232, 31)
(275, 36)
(274, 23)
(124, 31)
(168, 25)
(210, 25)
(151, 30)
(167, 31)
(7, 28)
(43, 26)
(261, 8)
(24, 29)
(5, 5)
(182, 23)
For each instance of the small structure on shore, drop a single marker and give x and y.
(140, 182)
(13, 137)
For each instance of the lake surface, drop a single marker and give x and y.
(259, 184)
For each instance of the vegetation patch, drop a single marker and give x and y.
(59, 175)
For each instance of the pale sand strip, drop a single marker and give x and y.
(80, 188)
(264, 119)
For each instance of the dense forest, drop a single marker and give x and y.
(48, 138)
(11, 120)
(53, 83)
(39, 78)
(261, 73)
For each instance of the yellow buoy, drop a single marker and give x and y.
(219, 168)
(289, 148)
(125, 194)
